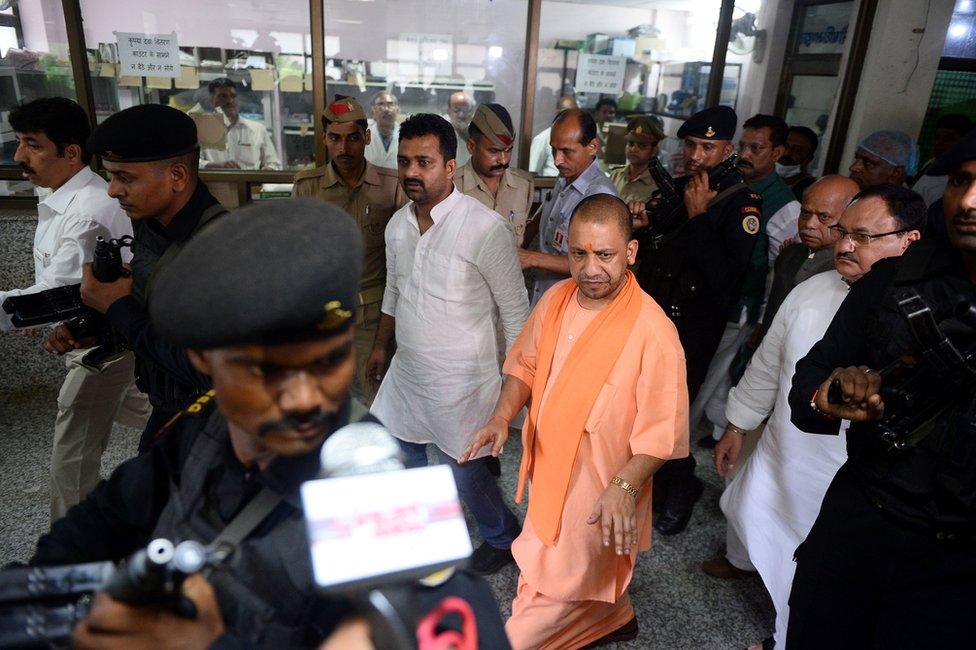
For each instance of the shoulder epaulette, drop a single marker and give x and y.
(310, 173)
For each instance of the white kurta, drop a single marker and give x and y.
(443, 289)
(773, 501)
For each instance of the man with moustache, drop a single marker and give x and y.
(884, 158)
(813, 254)
(904, 575)
(384, 128)
(460, 111)
(248, 144)
(451, 267)
(601, 366)
(696, 273)
(633, 180)
(763, 141)
(152, 154)
(232, 464)
(73, 210)
(370, 195)
(801, 145)
(772, 502)
(541, 161)
(574, 146)
(487, 176)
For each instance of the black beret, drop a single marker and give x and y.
(144, 133)
(273, 272)
(716, 123)
(962, 151)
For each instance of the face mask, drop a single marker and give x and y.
(787, 171)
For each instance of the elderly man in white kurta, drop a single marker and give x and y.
(772, 502)
(451, 263)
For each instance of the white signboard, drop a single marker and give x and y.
(599, 73)
(825, 28)
(148, 55)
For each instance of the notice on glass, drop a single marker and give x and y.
(598, 73)
(148, 55)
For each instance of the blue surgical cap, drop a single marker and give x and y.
(893, 147)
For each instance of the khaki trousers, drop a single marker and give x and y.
(89, 402)
(363, 389)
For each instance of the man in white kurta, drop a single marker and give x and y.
(444, 282)
(772, 502)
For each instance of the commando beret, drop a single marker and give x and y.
(273, 272)
(144, 133)
(716, 123)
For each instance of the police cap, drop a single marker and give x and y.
(269, 273)
(643, 129)
(716, 123)
(344, 110)
(144, 133)
(962, 151)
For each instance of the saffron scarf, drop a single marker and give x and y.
(549, 459)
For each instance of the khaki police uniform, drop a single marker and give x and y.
(513, 200)
(371, 202)
(639, 189)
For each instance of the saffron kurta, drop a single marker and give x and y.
(641, 409)
(773, 501)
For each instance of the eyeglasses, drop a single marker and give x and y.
(862, 238)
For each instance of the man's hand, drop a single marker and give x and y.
(526, 258)
(638, 215)
(60, 340)
(112, 624)
(352, 634)
(860, 386)
(376, 366)
(494, 433)
(727, 450)
(698, 194)
(616, 512)
(101, 295)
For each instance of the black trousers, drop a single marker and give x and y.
(864, 580)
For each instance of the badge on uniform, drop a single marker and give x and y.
(751, 224)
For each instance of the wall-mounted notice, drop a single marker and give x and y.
(598, 73)
(148, 55)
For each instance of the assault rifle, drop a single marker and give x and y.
(919, 388)
(40, 606)
(64, 304)
(666, 209)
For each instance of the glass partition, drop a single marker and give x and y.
(649, 57)
(242, 66)
(425, 56)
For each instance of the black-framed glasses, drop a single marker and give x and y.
(862, 238)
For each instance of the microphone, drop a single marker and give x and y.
(387, 523)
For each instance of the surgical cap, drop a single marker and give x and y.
(893, 147)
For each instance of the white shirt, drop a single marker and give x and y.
(772, 502)
(376, 153)
(68, 221)
(443, 288)
(248, 144)
(782, 226)
(540, 155)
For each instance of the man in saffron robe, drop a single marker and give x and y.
(605, 372)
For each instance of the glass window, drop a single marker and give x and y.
(425, 56)
(649, 57)
(240, 71)
(33, 63)
(961, 35)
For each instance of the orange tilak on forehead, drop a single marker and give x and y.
(588, 246)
